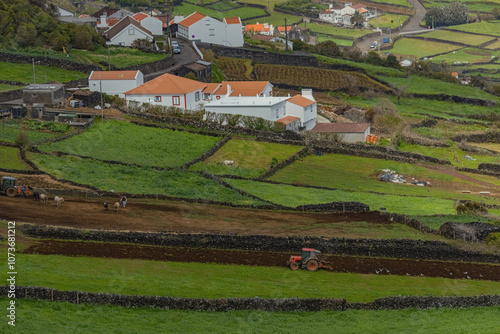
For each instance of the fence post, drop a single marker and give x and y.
(77, 300)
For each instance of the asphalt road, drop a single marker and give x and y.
(412, 26)
(187, 56)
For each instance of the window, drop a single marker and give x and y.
(131, 31)
(176, 100)
(277, 113)
(197, 96)
(206, 97)
(284, 110)
(157, 98)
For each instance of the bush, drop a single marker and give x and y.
(493, 239)
(471, 208)
(22, 138)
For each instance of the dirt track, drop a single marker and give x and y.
(154, 216)
(345, 264)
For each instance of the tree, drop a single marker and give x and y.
(26, 34)
(357, 19)
(328, 48)
(392, 61)
(453, 14)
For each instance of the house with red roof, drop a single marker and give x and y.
(115, 82)
(198, 27)
(303, 106)
(260, 28)
(169, 90)
(149, 22)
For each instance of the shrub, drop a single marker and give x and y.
(22, 138)
(493, 239)
(471, 208)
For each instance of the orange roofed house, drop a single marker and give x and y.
(201, 28)
(115, 82)
(260, 28)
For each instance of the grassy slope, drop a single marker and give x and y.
(9, 158)
(453, 36)
(418, 48)
(118, 56)
(483, 27)
(251, 158)
(136, 180)
(197, 280)
(38, 316)
(13, 127)
(24, 73)
(126, 142)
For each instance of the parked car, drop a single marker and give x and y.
(176, 47)
(374, 45)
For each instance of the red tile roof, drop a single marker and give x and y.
(288, 119)
(256, 28)
(341, 127)
(211, 87)
(192, 19)
(113, 75)
(232, 20)
(300, 101)
(124, 23)
(282, 28)
(358, 6)
(140, 16)
(245, 88)
(168, 84)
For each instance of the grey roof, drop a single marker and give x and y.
(341, 127)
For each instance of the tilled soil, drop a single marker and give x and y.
(345, 264)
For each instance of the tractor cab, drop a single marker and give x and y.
(308, 260)
(8, 186)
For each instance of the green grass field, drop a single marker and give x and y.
(377, 71)
(126, 142)
(453, 36)
(56, 317)
(343, 42)
(118, 56)
(295, 196)
(336, 31)
(186, 9)
(389, 20)
(495, 45)
(4, 87)
(419, 48)
(24, 73)
(9, 158)
(198, 280)
(483, 27)
(13, 127)
(251, 158)
(136, 180)
(467, 55)
(394, 2)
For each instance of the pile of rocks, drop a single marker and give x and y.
(391, 176)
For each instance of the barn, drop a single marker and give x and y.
(348, 132)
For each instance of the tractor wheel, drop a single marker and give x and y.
(312, 265)
(11, 192)
(294, 266)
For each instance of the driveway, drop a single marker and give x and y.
(187, 56)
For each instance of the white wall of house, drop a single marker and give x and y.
(210, 30)
(191, 101)
(271, 109)
(307, 114)
(152, 24)
(116, 87)
(354, 137)
(128, 35)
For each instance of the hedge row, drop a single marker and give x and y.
(393, 248)
(257, 304)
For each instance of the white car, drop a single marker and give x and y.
(374, 45)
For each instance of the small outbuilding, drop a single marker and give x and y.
(48, 94)
(348, 132)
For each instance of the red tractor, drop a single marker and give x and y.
(308, 260)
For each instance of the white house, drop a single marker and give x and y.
(304, 107)
(348, 132)
(268, 108)
(260, 28)
(242, 88)
(126, 31)
(170, 91)
(202, 28)
(115, 82)
(153, 24)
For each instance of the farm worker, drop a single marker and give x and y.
(124, 200)
(23, 190)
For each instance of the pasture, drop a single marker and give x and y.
(118, 56)
(186, 9)
(389, 20)
(454, 36)
(251, 158)
(343, 42)
(11, 129)
(135, 180)
(347, 33)
(201, 280)
(294, 196)
(39, 316)
(419, 48)
(4, 87)
(24, 73)
(467, 55)
(491, 28)
(127, 142)
(9, 158)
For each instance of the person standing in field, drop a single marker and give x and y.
(124, 201)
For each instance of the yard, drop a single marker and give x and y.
(420, 48)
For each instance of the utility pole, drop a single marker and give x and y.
(34, 81)
(102, 104)
(109, 64)
(286, 37)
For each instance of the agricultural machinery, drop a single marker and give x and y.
(308, 260)
(10, 188)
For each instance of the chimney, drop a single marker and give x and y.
(103, 22)
(307, 93)
(229, 91)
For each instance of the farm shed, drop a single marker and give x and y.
(348, 132)
(115, 82)
(291, 123)
(48, 94)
